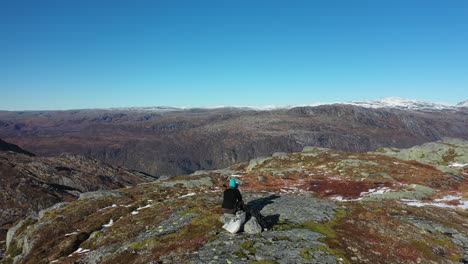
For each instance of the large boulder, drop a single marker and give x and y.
(252, 226)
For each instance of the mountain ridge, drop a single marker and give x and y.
(180, 142)
(384, 102)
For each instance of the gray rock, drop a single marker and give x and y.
(11, 232)
(314, 149)
(279, 154)
(54, 207)
(441, 153)
(457, 237)
(225, 218)
(252, 227)
(189, 183)
(277, 246)
(292, 208)
(412, 192)
(256, 162)
(100, 194)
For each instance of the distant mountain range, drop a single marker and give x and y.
(386, 102)
(171, 141)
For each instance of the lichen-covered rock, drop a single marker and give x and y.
(252, 226)
(279, 154)
(256, 162)
(274, 246)
(446, 152)
(100, 194)
(293, 208)
(314, 149)
(195, 183)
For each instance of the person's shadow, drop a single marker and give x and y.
(255, 206)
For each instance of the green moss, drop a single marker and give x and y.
(240, 253)
(28, 222)
(449, 157)
(14, 250)
(423, 248)
(262, 262)
(249, 246)
(91, 241)
(281, 238)
(6, 260)
(285, 225)
(142, 243)
(326, 228)
(306, 253)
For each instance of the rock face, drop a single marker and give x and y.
(29, 184)
(319, 206)
(175, 142)
(5, 146)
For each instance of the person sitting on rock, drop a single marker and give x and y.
(232, 199)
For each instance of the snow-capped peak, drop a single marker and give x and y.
(401, 103)
(463, 104)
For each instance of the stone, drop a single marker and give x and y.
(314, 149)
(225, 218)
(206, 181)
(54, 207)
(292, 208)
(256, 162)
(279, 154)
(252, 227)
(100, 194)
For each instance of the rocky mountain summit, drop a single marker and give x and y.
(318, 205)
(168, 141)
(463, 104)
(29, 184)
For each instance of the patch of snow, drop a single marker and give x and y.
(449, 198)
(236, 175)
(341, 199)
(111, 223)
(463, 104)
(401, 103)
(134, 212)
(71, 234)
(144, 207)
(463, 204)
(149, 201)
(187, 195)
(458, 165)
(80, 251)
(374, 191)
(112, 206)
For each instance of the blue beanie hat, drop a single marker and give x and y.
(232, 183)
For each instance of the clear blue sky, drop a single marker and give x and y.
(83, 54)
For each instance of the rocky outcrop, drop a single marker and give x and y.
(318, 206)
(5, 146)
(448, 152)
(30, 184)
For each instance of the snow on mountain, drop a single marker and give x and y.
(463, 104)
(401, 103)
(386, 102)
